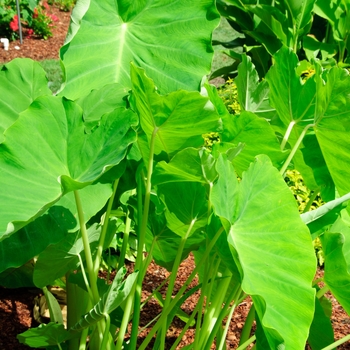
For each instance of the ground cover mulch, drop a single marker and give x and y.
(37, 48)
(16, 305)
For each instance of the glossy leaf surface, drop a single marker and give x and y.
(56, 146)
(18, 89)
(267, 234)
(172, 40)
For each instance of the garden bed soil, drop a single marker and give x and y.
(16, 305)
(36, 48)
(16, 312)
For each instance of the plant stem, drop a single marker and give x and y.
(322, 291)
(337, 343)
(287, 134)
(125, 320)
(106, 332)
(87, 251)
(310, 201)
(187, 325)
(234, 295)
(141, 242)
(181, 291)
(85, 279)
(104, 229)
(247, 325)
(89, 263)
(125, 240)
(210, 270)
(295, 148)
(173, 279)
(211, 317)
(246, 343)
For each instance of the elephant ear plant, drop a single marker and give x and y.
(121, 149)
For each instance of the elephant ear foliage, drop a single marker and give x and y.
(171, 39)
(272, 248)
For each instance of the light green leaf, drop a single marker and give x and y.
(53, 306)
(18, 89)
(313, 158)
(190, 164)
(48, 229)
(336, 274)
(293, 100)
(100, 102)
(47, 153)
(301, 12)
(333, 124)
(114, 297)
(253, 95)
(274, 250)
(273, 19)
(257, 136)
(177, 120)
(186, 206)
(316, 214)
(224, 194)
(44, 335)
(172, 40)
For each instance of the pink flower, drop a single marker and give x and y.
(46, 5)
(54, 18)
(14, 23)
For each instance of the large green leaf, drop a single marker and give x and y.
(274, 19)
(294, 101)
(296, 105)
(186, 206)
(49, 229)
(35, 237)
(332, 119)
(301, 12)
(190, 165)
(253, 95)
(336, 248)
(273, 249)
(257, 136)
(18, 89)
(44, 335)
(337, 274)
(172, 40)
(48, 153)
(177, 120)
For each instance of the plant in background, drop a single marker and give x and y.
(43, 22)
(311, 29)
(63, 5)
(9, 16)
(228, 93)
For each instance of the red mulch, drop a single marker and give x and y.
(39, 49)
